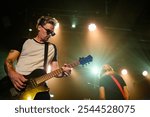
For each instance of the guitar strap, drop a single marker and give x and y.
(119, 86)
(45, 55)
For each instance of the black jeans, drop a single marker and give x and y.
(42, 96)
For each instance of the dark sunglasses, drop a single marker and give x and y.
(48, 31)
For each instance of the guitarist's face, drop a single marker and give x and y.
(45, 32)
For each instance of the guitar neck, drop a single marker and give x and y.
(54, 73)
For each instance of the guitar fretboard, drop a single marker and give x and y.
(54, 73)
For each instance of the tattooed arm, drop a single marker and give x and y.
(16, 78)
(11, 58)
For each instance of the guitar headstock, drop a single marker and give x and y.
(85, 60)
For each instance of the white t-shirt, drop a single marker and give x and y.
(32, 56)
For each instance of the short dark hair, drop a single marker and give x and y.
(46, 19)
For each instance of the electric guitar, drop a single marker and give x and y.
(38, 77)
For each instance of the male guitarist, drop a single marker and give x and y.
(30, 56)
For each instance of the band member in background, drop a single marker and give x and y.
(111, 85)
(29, 56)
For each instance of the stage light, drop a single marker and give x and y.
(95, 70)
(30, 30)
(92, 27)
(73, 26)
(145, 73)
(124, 72)
(51, 95)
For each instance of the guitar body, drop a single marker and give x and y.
(31, 89)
